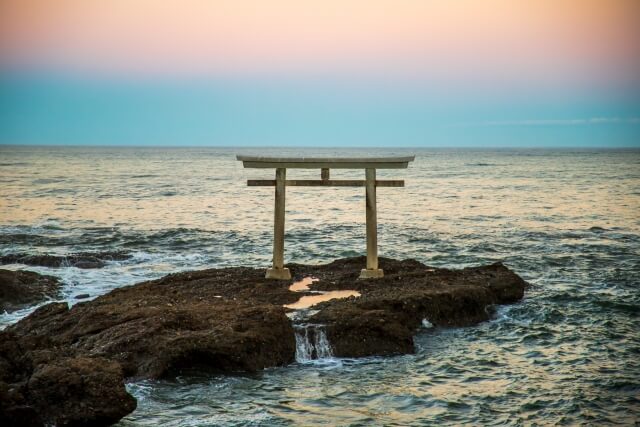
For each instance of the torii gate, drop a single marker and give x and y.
(369, 164)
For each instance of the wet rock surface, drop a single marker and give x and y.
(222, 320)
(85, 260)
(42, 388)
(19, 289)
(384, 319)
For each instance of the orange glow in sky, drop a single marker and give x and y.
(563, 40)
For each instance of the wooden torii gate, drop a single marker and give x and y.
(281, 164)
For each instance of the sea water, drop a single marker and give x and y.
(568, 221)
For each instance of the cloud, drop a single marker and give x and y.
(554, 122)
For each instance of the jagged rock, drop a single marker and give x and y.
(19, 289)
(85, 260)
(385, 318)
(80, 391)
(158, 328)
(225, 320)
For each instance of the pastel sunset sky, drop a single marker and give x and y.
(351, 72)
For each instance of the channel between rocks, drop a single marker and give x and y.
(311, 339)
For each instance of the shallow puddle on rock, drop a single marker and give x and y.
(311, 300)
(303, 285)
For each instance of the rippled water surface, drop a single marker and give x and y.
(567, 221)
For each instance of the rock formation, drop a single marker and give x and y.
(19, 289)
(78, 260)
(223, 320)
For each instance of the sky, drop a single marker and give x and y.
(332, 73)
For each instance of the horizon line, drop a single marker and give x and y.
(407, 147)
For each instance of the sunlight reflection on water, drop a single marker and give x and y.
(566, 220)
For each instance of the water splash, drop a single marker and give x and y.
(311, 343)
(323, 348)
(304, 348)
(426, 324)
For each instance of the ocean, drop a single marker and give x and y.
(567, 221)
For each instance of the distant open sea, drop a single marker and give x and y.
(568, 221)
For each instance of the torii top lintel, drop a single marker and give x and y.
(326, 162)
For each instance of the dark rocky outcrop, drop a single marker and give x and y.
(19, 289)
(385, 318)
(79, 260)
(223, 320)
(42, 388)
(154, 329)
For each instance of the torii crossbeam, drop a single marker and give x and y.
(281, 164)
